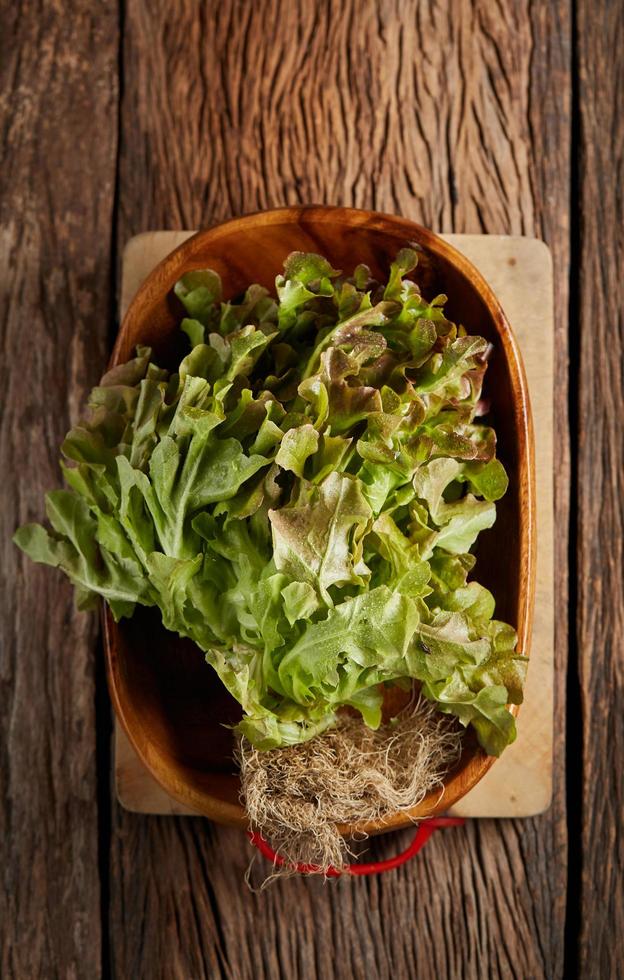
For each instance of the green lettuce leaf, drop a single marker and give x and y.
(317, 538)
(300, 495)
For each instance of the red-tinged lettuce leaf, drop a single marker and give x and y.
(447, 367)
(337, 398)
(431, 480)
(317, 537)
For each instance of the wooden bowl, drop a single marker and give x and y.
(170, 703)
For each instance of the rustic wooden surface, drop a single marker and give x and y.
(600, 483)
(463, 116)
(58, 134)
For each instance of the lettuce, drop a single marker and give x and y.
(299, 496)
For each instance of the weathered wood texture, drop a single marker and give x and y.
(600, 528)
(455, 114)
(58, 106)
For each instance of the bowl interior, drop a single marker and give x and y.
(172, 705)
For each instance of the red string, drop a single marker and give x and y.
(422, 835)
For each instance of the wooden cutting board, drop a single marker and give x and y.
(520, 272)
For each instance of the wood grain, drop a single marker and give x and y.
(600, 525)
(452, 114)
(58, 106)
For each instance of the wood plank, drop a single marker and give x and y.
(58, 106)
(519, 270)
(600, 527)
(451, 114)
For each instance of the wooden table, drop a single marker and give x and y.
(478, 116)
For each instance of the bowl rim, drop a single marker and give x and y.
(202, 802)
